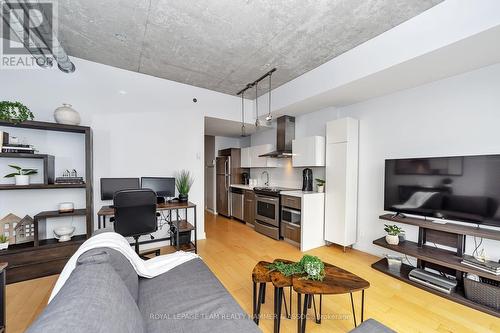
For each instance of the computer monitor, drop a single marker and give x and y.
(163, 186)
(111, 185)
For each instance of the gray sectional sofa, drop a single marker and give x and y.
(104, 294)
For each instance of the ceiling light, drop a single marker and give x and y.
(243, 132)
(121, 37)
(257, 122)
(269, 117)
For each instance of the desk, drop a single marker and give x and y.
(181, 225)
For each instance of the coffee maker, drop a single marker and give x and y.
(245, 177)
(307, 180)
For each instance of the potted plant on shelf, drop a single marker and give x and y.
(393, 232)
(320, 184)
(4, 242)
(22, 176)
(14, 112)
(183, 182)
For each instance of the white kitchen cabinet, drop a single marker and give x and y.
(245, 157)
(341, 188)
(308, 152)
(250, 157)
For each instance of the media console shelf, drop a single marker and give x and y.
(43, 257)
(451, 235)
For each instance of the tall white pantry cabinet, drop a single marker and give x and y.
(341, 199)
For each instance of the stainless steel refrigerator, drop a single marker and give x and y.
(223, 185)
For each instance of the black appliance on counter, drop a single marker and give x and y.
(307, 180)
(245, 177)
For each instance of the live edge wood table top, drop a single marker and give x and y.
(336, 281)
(108, 210)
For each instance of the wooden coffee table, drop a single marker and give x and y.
(336, 281)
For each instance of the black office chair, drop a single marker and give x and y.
(135, 214)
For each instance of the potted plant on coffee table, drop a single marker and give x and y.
(183, 182)
(4, 242)
(393, 232)
(21, 176)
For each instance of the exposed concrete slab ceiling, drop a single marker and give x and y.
(223, 44)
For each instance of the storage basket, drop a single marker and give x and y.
(486, 293)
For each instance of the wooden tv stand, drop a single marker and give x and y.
(449, 234)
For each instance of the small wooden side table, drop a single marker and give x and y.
(260, 276)
(3, 317)
(279, 282)
(336, 281)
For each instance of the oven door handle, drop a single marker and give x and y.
(293, 211)
(267, 199)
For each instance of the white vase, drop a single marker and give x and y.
(321, 188)
(22, 179)
(392, 239)
(4, 246)
(67, 115)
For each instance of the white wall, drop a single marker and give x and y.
(454, 116)
(154, 129)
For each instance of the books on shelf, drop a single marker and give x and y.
(69, 180)
(486, 266)
(18, 148)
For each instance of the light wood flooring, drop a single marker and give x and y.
(232, 249)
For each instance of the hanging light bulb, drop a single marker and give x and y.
(243, 130)
(257, 121)
(269, 117)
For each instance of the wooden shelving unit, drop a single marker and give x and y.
(47, 256)
(452, 235)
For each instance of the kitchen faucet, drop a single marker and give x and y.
(267, 174)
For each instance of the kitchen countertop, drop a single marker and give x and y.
(244, 187)
(300, 194)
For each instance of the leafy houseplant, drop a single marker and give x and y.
(183, 182)
(4, 242)
(393, 232)
(14, 112)
(22, 176)
(311, 267)
(320, 183)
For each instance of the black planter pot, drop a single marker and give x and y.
(183, 197)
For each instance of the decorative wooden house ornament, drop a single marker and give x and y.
(25, 230)
(8, 225)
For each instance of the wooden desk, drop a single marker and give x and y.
(181, 225)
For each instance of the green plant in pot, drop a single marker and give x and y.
(393, 232)
(183, 182)
(14, 112)
(310, 267)
(22, 175)
(320, 184)
(4, 242)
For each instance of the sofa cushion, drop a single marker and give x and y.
(189, 298)
(372, 326)
(93, 299)
(119, 262)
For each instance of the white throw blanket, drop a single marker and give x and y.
(144, 268)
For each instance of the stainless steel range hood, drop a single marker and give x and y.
(285, 135)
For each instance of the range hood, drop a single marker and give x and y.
(285, 135)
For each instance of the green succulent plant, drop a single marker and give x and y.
(14, 112)
(3, 239)
(393, 230)
(320, 182)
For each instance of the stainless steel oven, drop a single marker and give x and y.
(290, 215)
(267, 210)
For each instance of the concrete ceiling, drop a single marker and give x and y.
(223, 44)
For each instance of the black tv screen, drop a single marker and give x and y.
(460, 188)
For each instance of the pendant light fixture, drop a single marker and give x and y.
(257, 121)
(269, 117)
(243, 130)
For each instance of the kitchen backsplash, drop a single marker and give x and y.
(285, 175)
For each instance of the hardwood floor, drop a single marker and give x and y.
(232, 249)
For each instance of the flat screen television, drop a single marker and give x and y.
(459, 188)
